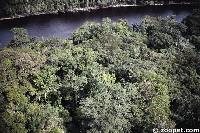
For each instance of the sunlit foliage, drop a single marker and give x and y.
(109, 78)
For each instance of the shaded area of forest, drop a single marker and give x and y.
(17, 8)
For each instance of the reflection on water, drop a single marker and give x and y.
(64, 25)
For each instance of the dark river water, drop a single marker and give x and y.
(63, 25)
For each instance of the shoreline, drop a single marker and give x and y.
(89, 9)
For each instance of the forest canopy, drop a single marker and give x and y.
(109, 77)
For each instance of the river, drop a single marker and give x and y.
(63, 25)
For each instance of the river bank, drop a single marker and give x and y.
(90, 9)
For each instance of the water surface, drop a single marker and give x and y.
(63, 25)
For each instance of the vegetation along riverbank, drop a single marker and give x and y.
(10, 9)
(109, 77)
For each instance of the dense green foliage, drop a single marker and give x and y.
(108, 78)
(10, 8)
